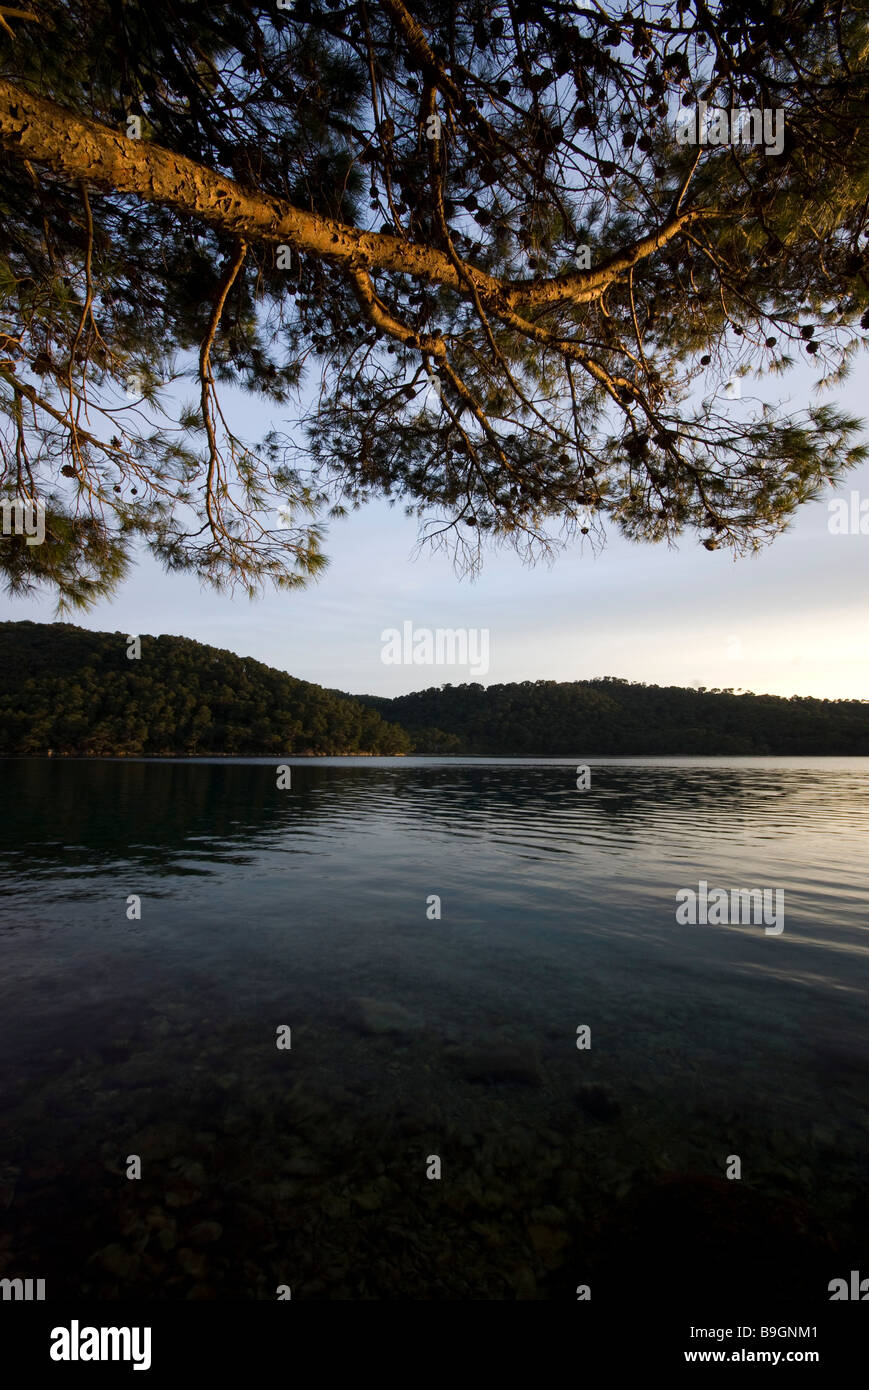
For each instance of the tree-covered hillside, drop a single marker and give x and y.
(77, 693)
(608, 715)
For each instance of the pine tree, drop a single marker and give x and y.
(460, 250)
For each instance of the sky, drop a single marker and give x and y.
(793, 620)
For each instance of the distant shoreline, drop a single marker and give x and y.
(490, 759)
(68, 692)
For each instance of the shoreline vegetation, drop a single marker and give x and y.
(67, 692)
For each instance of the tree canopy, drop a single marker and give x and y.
(72, 692)
(76, 693)
(608, 715)
(461, 251)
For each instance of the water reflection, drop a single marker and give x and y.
(411, 1035)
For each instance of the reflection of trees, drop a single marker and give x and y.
(639, 799)
(146, 811)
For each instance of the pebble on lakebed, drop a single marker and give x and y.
(380, 1016)
(497, 1060)
(598, 1102)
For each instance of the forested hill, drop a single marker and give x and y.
(608, 715)
(76, 693)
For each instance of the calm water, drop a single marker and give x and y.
(414, 1037)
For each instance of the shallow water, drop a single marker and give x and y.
(263, 908)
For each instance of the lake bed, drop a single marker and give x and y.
(435, 935)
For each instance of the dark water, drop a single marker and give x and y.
(559, 1166)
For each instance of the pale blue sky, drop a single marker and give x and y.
(792, 620)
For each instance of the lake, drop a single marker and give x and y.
(430, 1029)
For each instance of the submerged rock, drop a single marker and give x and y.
(160, 1141)
(205, 1233)
(182, 1194)
(499, 1061)
(369, 1199)
(524, 1284)
(599, 1102)
(193, 1262)
(123, 1264)
(548, 1243)
(380, 1016)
